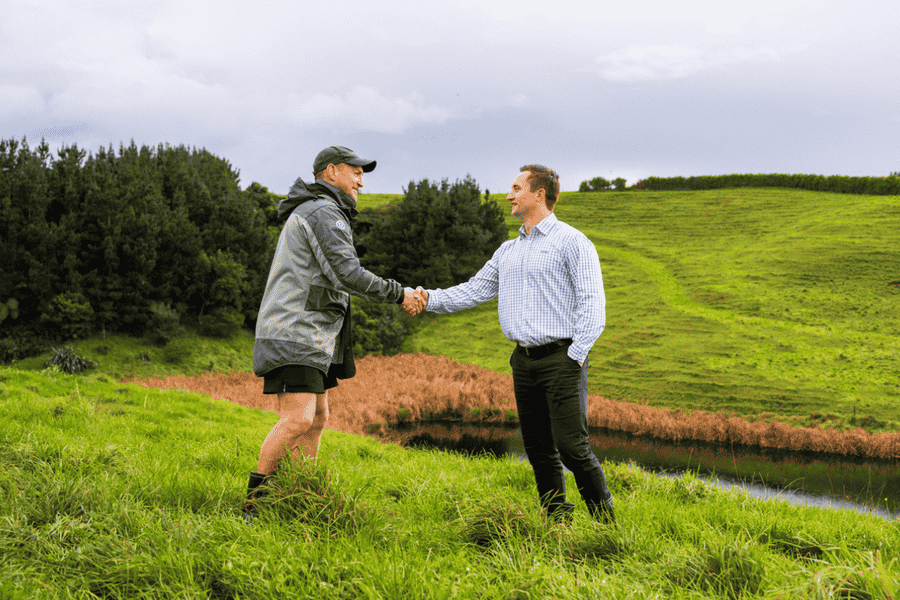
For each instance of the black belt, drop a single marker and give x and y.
(542, 351)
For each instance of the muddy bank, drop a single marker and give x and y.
(419, 387)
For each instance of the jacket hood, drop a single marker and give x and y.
(302, 192)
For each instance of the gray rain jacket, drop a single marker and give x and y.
(314, 269)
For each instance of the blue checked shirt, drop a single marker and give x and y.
(550, 288)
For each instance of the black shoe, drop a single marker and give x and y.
(607, 514)
(603, 512)
(255, 489)
(563, 513)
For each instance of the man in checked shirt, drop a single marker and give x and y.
(553, 306)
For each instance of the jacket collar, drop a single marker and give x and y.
(341, 198)
(302, 192)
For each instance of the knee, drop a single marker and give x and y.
(320, 418)
(322, 413)
(307, 418)
(578, 456)
(544, 460)
(295, 425)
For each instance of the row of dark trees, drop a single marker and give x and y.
(147, 240)
(113, 241)
(880, 186)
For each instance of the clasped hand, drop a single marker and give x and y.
(414, 301)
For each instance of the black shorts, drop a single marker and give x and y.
(299, 379)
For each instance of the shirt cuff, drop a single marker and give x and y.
(575, 358)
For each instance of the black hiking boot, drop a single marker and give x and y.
(563, 513)
(603, 511)
(255, 489)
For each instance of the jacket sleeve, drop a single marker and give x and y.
(332, 243)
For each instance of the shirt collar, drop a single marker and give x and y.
(544, 226)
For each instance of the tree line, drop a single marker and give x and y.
(599, 184)
(876, 186)
(145, 241)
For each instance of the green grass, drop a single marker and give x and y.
(752, 301)
(364, 201)
(112, 490)
(120, 356)
(745, 300)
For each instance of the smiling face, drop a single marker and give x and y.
(346, 178)
(525, 203)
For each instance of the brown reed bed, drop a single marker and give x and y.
(417, 387)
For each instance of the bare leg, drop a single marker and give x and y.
(311, 440)
(302, 419)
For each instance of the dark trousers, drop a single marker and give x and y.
(551, 397)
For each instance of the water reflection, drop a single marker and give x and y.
(801, 478)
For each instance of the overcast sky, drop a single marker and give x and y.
(626, 89)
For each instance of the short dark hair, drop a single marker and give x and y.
(543, 178)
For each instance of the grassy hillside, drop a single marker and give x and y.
(757, 301)
(121, 356)
(112, 490)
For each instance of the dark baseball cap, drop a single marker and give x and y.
(335, 155)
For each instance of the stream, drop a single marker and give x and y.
(837, 482)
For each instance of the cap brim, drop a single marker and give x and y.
(367, 165)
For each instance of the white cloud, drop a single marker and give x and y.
(365, 108)
(519, 100)
(650, 63)
(19, 100)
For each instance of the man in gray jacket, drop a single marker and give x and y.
(304, 341)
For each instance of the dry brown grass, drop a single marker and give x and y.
(419, 386)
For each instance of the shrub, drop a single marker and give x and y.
(164, 324)
(220, 323)
(378, 329)
(68, 362)
(596, 184)
(9, 351)
(10, 309)
(13, 348)
(177, 351)
(448, 233)
(68, 316)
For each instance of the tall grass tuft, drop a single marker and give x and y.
(732, 569)
(304, 492)
(495, 522)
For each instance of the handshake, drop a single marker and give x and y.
(414, 301)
